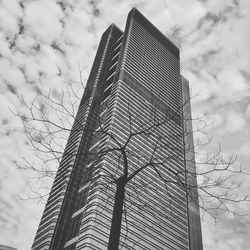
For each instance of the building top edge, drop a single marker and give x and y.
(7, 247)
(112, 28)
(115, 26)
(162, 37)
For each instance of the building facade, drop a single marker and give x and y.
(4, 247)
(136, 99)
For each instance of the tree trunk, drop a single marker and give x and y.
(117, 214)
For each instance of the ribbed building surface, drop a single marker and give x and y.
(135, 82)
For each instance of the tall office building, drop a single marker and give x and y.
(134, 91)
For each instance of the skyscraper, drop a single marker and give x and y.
(135, 112)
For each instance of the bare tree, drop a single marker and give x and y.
(48, 121)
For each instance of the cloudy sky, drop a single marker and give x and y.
(41, 45)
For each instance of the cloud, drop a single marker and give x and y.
(13, 75)
(42, 19)
(233, 83)
(230, 234)
(10, 13)
(235, 122)
(245, 149)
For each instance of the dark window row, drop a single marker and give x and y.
(81, 199)
(74, 227)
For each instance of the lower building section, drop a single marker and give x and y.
(155, 212)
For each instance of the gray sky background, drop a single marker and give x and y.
(37, 38)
